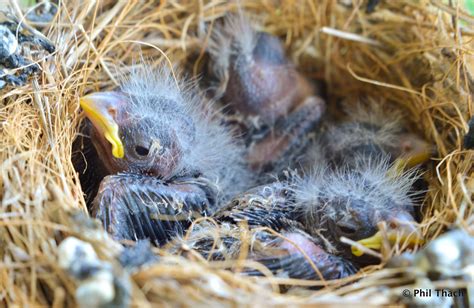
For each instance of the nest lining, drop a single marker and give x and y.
(415, 55)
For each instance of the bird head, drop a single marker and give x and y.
(129, 138)
(350, 140)
(256, 78)
(400, 227)
(354, 202)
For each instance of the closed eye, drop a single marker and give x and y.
(347, 229)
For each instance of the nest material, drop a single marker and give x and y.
(415, 55)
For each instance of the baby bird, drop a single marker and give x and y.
(312, 213)
(372, 147)
(276, 105)
(157, 156)
(353, 201)
(292, 253)
(370, 132)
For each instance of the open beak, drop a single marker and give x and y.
(100, 108)
(401, 229)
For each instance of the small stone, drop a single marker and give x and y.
(138, 255)
(449, 255)
(8, 42)
(72, 249)
(96, 291)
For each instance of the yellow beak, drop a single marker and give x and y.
(98, 108)
(410, 161)
(417, 159)
(418, 151)
(375, 241)
(406, 233)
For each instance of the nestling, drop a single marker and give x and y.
(274, 104)
(354, 200)
(369, 136)
(369, 132)
(292, 254)
(158, 153)
(314, 212)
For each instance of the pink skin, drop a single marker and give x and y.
(307, 246)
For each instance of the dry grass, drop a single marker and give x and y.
(414, 54)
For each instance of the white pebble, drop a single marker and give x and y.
(72, 249)
(96, 291)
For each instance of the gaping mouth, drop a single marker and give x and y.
(408, 236)
(99, 111)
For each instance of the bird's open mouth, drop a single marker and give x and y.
(406, 234)
(98, 108)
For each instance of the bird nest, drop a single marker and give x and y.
(416, 55)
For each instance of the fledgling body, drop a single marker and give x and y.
(353, 201)
(288, 251)
(274, 105)
(313, 212)
(368, 132)
(159, 155)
